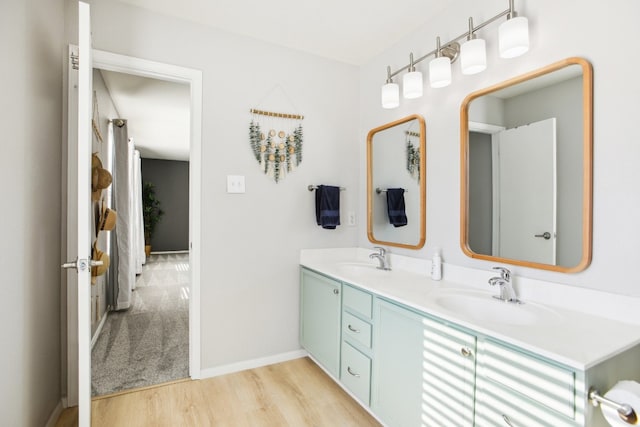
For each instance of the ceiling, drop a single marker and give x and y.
(157, 114)
(351, 31)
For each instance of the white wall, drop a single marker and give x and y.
(251, 241)
(590, 29)
(31, 42)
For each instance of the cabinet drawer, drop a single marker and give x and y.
(357, 301)
(543, 382)
(495, 405)
(356, 372)
(356, 330)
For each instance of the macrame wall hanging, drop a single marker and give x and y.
(413, 154)
(276, 138)
(276, 141)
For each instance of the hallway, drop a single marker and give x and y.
(149, 343)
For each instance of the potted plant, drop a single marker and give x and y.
(151, 213)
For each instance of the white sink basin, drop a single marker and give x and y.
(485, 308)
(358, 268)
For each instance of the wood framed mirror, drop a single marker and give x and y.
(526, 161)
(396, 159)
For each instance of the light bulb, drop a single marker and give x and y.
(473, 56)
(390, 95)
(412, 85)
(513, 37)
(440, 72)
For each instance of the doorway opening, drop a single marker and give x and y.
(151, 336)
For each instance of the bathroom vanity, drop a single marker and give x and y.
(415, 352)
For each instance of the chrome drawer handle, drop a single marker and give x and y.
(352, 373)
(352, 329)
(466, 352)
(335, 291)
(507, 420)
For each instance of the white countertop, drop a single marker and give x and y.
(576, 339)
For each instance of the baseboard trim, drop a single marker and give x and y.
(251, 364)
(95, 336)
(53, 418)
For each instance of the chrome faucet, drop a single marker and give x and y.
(381, 256)
(507, 293)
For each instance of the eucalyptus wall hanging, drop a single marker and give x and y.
(276, 141)
(413, 155)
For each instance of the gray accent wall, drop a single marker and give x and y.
(171, 180)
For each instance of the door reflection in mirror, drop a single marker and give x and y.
(526, 169)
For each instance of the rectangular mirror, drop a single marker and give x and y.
(396, 161)
(526, 169)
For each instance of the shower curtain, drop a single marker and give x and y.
(127, 201)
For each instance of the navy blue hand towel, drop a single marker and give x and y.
(395, 207)
(328, 206)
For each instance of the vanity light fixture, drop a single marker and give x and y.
(390, 92)
(411, 82)
(513, 35)
(513, 41)
(440, 68)
(473, 53)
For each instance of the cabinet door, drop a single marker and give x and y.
(449, 375)
(397, 377)
(320, 319)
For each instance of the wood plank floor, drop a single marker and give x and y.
(295, 393)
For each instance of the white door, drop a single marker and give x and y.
(525, 192)
(78, 222)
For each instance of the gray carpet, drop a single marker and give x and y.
(148, 343)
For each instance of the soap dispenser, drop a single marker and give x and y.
(436, 266)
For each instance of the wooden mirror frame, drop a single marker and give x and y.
(423, 183)
(587, 173)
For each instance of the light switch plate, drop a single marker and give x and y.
(235, 184)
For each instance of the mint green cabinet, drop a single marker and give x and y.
(518, 388)
(413, 369)
(355, 371)
(320, 308)
(397, 365)
(449, 375)
(424, 370)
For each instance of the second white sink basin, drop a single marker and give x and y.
(481, 307)
(358, 268)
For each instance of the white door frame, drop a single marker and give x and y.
(130, 65)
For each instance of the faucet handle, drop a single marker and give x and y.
(380, 250)
(504, 273)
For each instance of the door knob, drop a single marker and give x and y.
(81, 264)
(546, 235)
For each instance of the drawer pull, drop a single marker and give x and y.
(466, 352)
(336, 291)
(352, 329)
(507, 420)
(352, 373)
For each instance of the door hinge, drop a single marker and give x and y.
(75, 61)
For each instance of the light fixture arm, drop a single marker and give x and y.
(512, 12)
(412, 66)
(471, 35)
(389, 80)
(453, 43)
